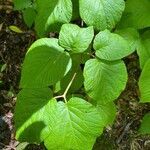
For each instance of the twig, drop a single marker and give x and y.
(124, 132)
(59, 96)
(69, 85)
(67, 89)
(90, 55)
(82, 23)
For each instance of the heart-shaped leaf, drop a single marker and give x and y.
(75, 39)
(104, 81)
(59, 125)
(111, 46)
(102, 14)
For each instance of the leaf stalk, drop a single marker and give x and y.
(67, 89)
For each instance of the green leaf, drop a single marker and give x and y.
(59, 125)
(136, 14)
(80, 58)
(29, 15)
(77, 83)
(108, 112)
(102, 14)
(143, 51)
(144, 83)
(143, 48)
(104, 81)
(20, 5)
(51, 15)
(15, 29)
(30, 111)
(131, 35)
(45, 64)
(75, 39)
(60, 86)
(81, 123)
(22, 146)
(111, 46)
(145, 126)
(3, 67)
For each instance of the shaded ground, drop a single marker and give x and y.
(121, 136)
(12, 51)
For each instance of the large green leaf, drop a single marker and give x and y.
(136, 14)
(20, 5)
(78, 123)
(145, 126)
(144, 83)
(111, 46)
(102, 14)
(52, 14)
(131, 35)
(45, 64)
(104, 81)
(143, 48)
(59, 125)
(75, 39)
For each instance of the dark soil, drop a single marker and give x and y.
(123, 135)
(13, 47)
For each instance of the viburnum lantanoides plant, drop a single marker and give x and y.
(68, 84)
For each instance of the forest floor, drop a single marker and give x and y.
(122, 135)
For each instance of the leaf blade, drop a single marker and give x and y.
(76, 122)
(104, 82)
(111, 46)
(106, 12)
(51, 17)
(45, 64)
(144, 128)
(144, 83)
(75, 39)
(136, 14)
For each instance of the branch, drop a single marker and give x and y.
(67, 89)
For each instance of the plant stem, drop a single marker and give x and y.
(59, 96)
(67, 89)
(70, 83)
(90, 54)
